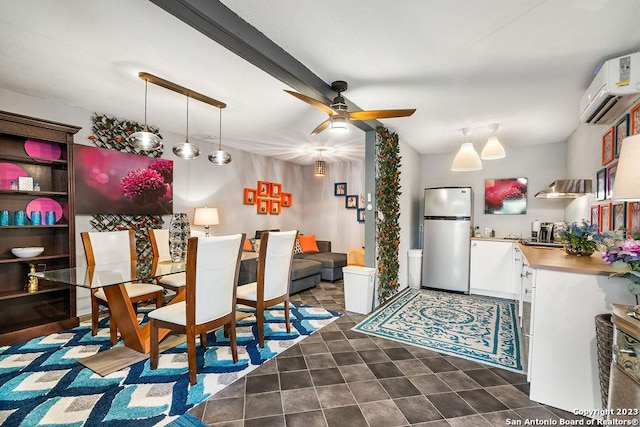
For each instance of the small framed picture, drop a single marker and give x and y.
(605, 218)
(608, 146)
(25, 183)
(287, 199)
(351, 201)
(633, 216)
(340, 189)
(360, 215)
(595, 215)
(601, 184)
(263, 206)
(635, 120)
(611, 178)
(275, 207)
(276, 189)
(264, 189)
(619, 216)
(622, 131)
(249, 196)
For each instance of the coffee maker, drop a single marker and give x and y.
(546, 232)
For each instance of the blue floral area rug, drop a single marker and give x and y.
(473, 327)
(41, 382)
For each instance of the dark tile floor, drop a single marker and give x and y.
(339, 377)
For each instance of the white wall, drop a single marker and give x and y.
(540, 164)
(325, 214)
(410, 207)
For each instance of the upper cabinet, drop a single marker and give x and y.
(36, 211)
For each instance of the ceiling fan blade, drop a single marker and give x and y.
(313, 102)
(322, 126)
(380, 114)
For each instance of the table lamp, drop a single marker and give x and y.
(207, 217)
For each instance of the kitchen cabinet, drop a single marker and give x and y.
(492, 269)
(42, 150)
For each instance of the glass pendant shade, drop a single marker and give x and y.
(339, 123)
(145, 140)
(467, 159)
(625, 186)
(186, 150)
(220, 157)
(320, 168)
(492, 149)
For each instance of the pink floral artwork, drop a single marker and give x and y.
(114, 182)
(505, 196)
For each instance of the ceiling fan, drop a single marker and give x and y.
(339, 116)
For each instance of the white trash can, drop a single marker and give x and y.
(358, 288)
(414, 268)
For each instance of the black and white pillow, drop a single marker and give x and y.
(297, 249)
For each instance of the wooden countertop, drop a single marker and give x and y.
(557, 259)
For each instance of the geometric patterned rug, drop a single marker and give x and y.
(482, 329)
(41, 382)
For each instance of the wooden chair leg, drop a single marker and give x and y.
(286, 315)
(260, 325)
(95, 310)
(153, 344)
(203, 340)
(232, 339)
(159, 299)
(113, 329)
(191, 356)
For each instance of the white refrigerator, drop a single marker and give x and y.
(447, 231)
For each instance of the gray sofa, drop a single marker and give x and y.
(307, 269)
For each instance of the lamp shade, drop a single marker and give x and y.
(627, 183)
(492, 149)
(467, 159)
(339, 123)
(320, 168)
(145, 140)
(206, 216)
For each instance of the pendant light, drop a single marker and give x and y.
(220, 157)
(145, 140)
(493, 149)
(467, 159)
(320, 167)
(186, 150)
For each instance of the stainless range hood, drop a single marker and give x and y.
(565, 189)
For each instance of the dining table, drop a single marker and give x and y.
(112, 277)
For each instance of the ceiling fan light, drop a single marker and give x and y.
(186, 151)
(220, 157)
(320, 168)
(145, 140)
(339, 123)
(467, 159)
(493, 149)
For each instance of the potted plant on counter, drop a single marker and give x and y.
(580, 238)
(625, 256)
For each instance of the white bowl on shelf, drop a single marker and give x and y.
(27, 252)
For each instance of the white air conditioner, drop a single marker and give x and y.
(614, 89)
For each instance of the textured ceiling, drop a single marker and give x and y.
(520, 63)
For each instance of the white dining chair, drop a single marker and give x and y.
(109, 247)
(213, 265)
(159, 239)
(273, 278)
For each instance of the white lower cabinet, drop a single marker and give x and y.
(492, 269)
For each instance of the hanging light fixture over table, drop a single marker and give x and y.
(186, 150)
(145, 140)
(220, 157)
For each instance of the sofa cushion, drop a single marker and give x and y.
(328, 259)
(308, 243)
(303, 267)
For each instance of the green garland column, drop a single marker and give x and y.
(387, 222)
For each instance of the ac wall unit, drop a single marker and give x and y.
(614, 89)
